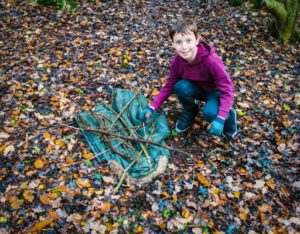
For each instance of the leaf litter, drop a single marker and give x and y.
(55, 64)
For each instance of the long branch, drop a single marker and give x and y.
(127, 138)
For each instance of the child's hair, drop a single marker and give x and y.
(183, 26)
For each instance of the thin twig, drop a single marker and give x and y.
(131, 131)
(125, 171)
(129, 102)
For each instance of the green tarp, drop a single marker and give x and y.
(155, 129)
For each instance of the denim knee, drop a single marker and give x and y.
(182, 88)
(209, 114)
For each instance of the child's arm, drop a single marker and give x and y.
(224, 85)
(167, 89)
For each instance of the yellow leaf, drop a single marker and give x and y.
(271, 184)
(2, 147)
(15, 202)
(215, 191)
(243, 216)
(28, 195)
(139, 229)
(40, 225)
(109, 227)
(185, 213)
(47, 136)
(202, 179)
(59, 142)
(38, 164)
(236, 194)
(104, 207)
(83, 183)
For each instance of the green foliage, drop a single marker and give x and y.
(236, 2)
(295, 38)
(62, 4)
(257, 3)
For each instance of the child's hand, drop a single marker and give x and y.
(146, 113)
(216, 126)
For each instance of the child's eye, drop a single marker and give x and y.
(178, 42)
(188, 40)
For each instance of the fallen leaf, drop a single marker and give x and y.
(38, 164)
(202, 179)
(8, 149)
(83, 183)
(28, 195)
(40, 225)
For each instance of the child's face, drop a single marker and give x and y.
(185, 45)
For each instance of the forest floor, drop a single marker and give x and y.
(48, 184)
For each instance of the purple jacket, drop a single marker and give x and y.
(207, 70)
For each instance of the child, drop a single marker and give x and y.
(197, 73)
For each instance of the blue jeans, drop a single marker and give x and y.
(187, 92)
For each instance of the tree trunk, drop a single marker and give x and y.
(285, 15)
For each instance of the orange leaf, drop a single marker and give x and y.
(52, 195)
(38, 164)
(53, 214)
(87, 155)
(154, 92)
(200, 164)
(69, 160)
(40, 225)
(81, 183)
(47, 136)
(105, 207)
(49, 148)
(202, 179)
(44, 199)
(62, 189)
(59, 142)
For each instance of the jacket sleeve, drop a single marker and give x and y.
(167, 89)
(223, 84)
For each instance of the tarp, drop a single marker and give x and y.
(155, 129)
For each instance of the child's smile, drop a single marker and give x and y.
(185, 45)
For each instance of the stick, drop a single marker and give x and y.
(128, 138)
(131, 131)
(125, 171)
(130, 101)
